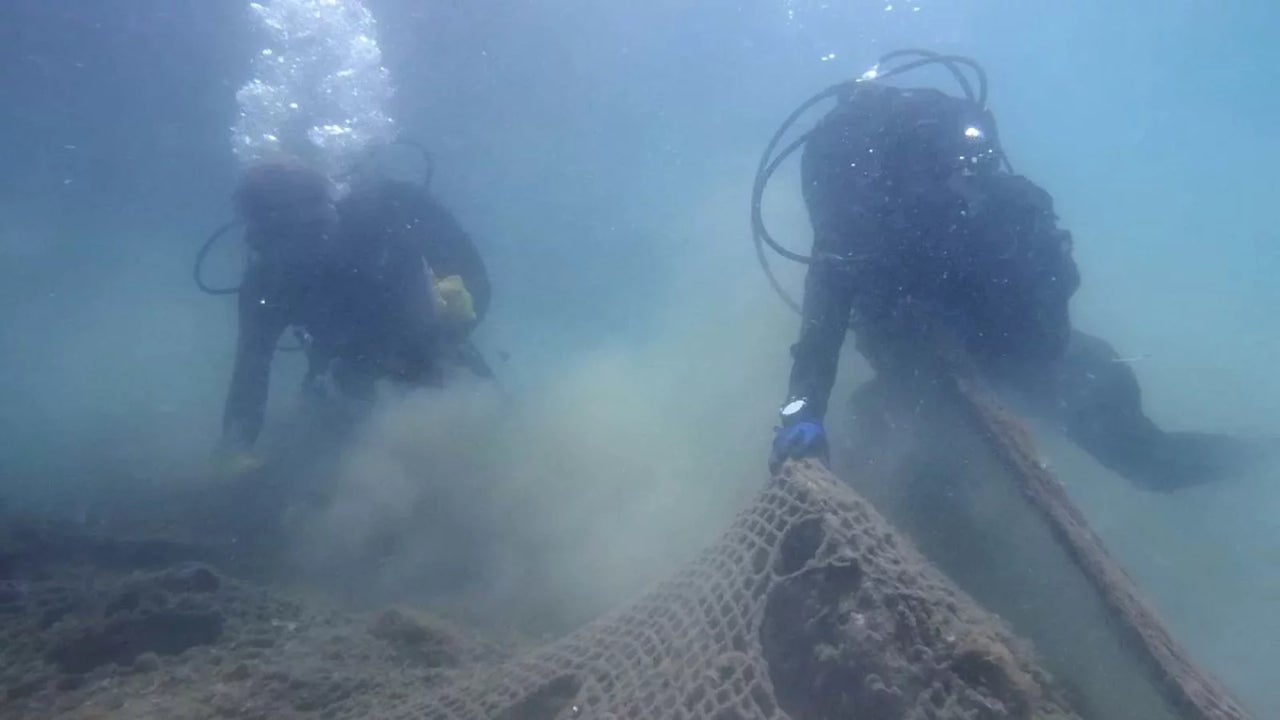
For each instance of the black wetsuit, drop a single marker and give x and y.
(917, 231)
(364, 299)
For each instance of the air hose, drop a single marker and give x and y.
(196, 270)
(769, 162)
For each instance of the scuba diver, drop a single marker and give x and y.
(923, 231)
(380, 284)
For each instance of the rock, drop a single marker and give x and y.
(124, 640)
(192, 578)
(26, 687)
(12, 597)
(125, 602)
(146, 662)
(414, 640)
(51, 616)
(238, 673)
(70, 682)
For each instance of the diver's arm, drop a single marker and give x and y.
(828, 298)
(260, 325)
(837, 174)
(450, 250)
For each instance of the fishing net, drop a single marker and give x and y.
(809, 606)
(812, 606)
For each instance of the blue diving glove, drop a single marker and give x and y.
(801, 436)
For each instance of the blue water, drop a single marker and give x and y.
(602, 154)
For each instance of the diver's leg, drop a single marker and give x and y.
(1099, 403)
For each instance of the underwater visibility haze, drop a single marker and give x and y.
(600, 156)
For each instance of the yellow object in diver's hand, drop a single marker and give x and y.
(454, 300)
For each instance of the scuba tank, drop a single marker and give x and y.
(772, 158)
